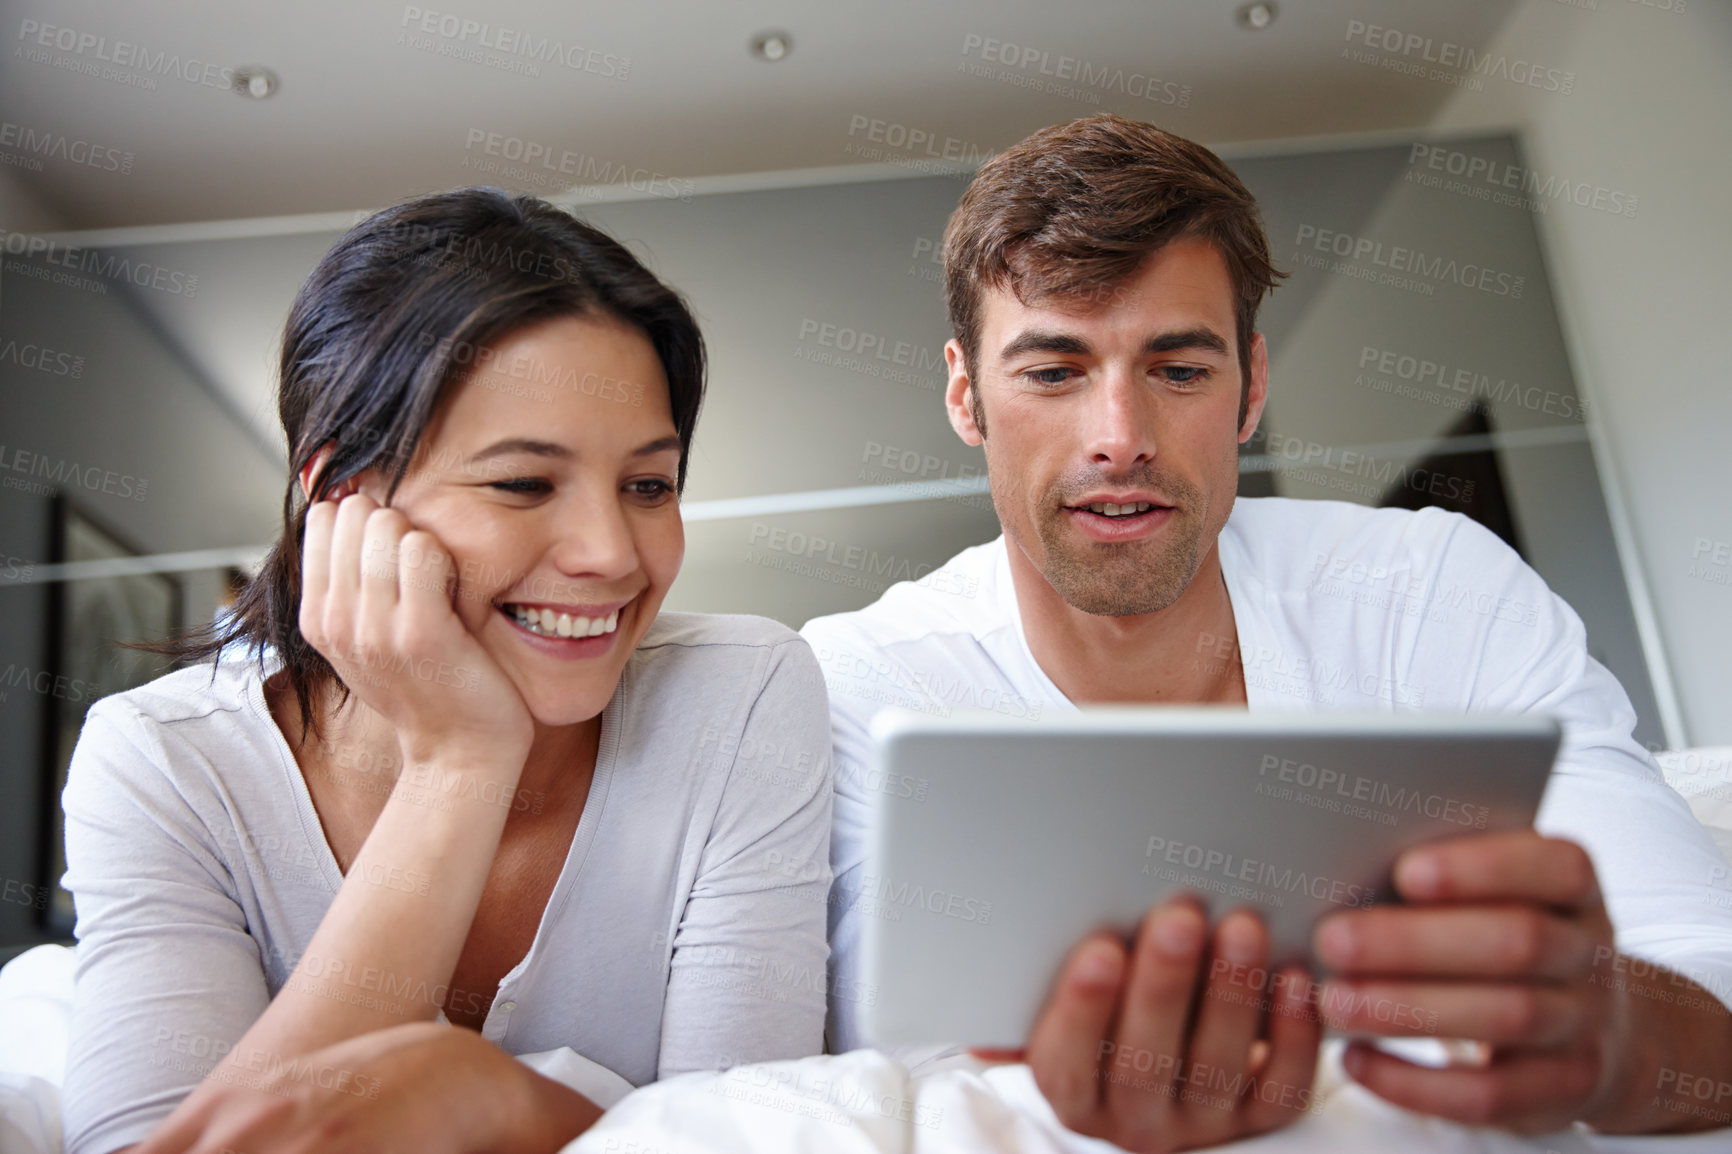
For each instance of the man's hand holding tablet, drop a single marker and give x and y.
(1140, 1046)
(1501, 939)
(1496, 943)
(1038, 848)
(1505, 938)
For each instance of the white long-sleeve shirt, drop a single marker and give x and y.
(1336, 607)
(685, 931)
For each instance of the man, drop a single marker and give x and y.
(1103, 280)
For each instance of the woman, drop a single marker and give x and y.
(450, 761)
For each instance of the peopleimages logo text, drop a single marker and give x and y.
(143, 274)
(1379, 793)
(92, 478)
(516, 42)
(1462, 59)
(1499, 175)
(40, 143)
(125, 54)
(1412, 261)
(1257, 873)
(1129, 82)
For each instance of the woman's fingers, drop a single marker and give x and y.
(380, 537)
(377, 635)
(341, 609)
(214, 1116)
(175, 1135)
(424, 577)
(316, 570)
(255, 1124)
(377, 603)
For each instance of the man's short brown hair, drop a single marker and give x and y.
(1073, 211)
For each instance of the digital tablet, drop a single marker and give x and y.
(1006, 841)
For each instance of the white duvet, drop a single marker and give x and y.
(858, 1103)
(35, 1009)
(866, 1103)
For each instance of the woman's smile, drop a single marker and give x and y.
(546, 621)
(568, 631)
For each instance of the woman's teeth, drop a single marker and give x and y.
(1111, 510)
(548, 623)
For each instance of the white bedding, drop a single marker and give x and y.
(1704, 778)
(858, 1103)
(865, 1103)
(35, 1010)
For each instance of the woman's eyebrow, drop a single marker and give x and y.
(522, 445)
(560, 452)
(660, 445)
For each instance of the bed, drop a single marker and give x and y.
(863, 1102)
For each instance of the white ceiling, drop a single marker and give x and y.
(362, 119)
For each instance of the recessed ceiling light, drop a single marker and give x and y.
(255, 81)
(772, 46)
(1256, 16)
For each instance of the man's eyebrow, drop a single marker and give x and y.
(1201, 337)
(1037, 341)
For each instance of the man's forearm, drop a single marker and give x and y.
(1680, 1053)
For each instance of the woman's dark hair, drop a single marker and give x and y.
(392, 318)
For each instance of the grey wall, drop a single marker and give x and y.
(761, 267)
(1644, 293)
(781, 280)
(789, 285)
(133, 414)
(1322, 320)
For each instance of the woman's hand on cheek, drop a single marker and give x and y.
(420, 1089)
(376, 601)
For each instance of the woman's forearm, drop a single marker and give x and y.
(424, 1087)
(555, 1115)
(387, 947)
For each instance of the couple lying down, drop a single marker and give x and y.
(448, 789)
